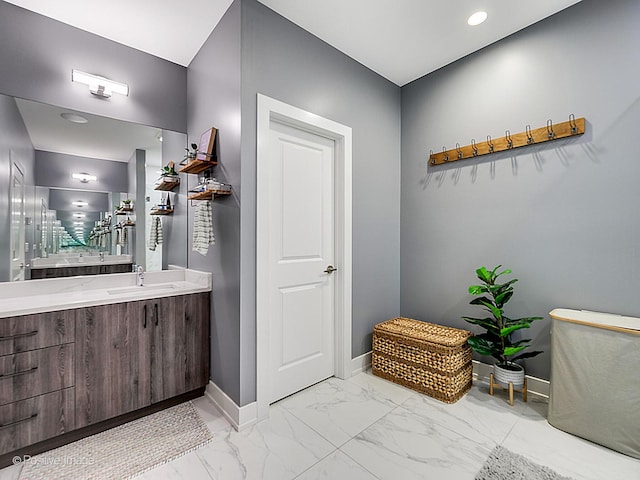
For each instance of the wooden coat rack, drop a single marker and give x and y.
(529, 137)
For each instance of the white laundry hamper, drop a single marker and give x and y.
(595, 378)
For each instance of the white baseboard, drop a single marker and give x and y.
(243, 417)
(535, 386)
(240, 418)
(360, 364)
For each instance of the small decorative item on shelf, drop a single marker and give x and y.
(129, 223)
(201, 156)
(218, 187)
(124, 207)
(169, 178)
(169, 170)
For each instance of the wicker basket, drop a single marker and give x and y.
(428, 358)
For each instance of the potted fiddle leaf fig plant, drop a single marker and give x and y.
(497, 340)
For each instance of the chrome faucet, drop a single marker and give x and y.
(140, 276)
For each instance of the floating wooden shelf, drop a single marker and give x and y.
(167, 211)
(207, 194)
(570, 128)
(197, 166)
(165, 185)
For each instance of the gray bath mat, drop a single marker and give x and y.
(125, 451)
(503, 464)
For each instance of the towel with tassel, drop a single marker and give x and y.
(203, 228)
(155, 238)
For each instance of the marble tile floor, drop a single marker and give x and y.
(366, 428)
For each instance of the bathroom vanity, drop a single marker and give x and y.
(83, 354)
(74, 265)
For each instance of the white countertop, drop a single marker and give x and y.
(79, 261)
(51, 294)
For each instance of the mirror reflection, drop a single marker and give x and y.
(82, 187)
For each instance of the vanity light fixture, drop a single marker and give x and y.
(79, 215)
(477, 18)
(78, 223)
(79, 203)
(84, 177)
(100, 86)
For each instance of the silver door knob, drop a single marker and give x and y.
(330, 269)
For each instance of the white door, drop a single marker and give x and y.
(17, 223)
(301, 256)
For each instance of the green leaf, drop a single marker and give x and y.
(503, 297)
(503, 287)
(527, 355)
(507, 330)
(504, 272)
(483, 274)
(508, 351)
(478, 289)
(488, 323)
(484, 301)
(482, 346)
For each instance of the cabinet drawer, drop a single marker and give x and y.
(30, 332)
(35, 419)
(29, 374)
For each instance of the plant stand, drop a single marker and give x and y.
(510, 388)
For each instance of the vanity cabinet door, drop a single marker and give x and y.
(180, 346)
(130, 355)
(197, 320)
(112, 361)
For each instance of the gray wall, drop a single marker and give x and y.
(214, 101)
(284, 62)
(174, 227)
(55, 169)
(14, 145)
(255, 50)
(562, 215)
(37, 55)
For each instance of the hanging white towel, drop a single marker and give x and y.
(203, 228)
(155, 237)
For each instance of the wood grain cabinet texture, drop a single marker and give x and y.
(61, 371)
(37, 375)
(132, 355)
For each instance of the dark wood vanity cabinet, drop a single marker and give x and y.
(61, 371)
(36, 378)
(56, 272)
(139, 353)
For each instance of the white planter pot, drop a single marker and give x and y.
(504, 376)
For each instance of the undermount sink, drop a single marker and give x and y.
(142, 289)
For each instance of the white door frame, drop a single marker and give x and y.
(271, 109)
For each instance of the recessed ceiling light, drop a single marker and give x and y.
(74, 118)
(477, 18)
(79, 215)
(79, 203)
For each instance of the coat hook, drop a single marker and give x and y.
(490, 143)
(529, 136)
(507, 135)
(446, 155)
(572, 123)
(473, 146)
(432, 159)
(458, 150)
(550, 133)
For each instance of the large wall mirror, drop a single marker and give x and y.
(88, 191)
